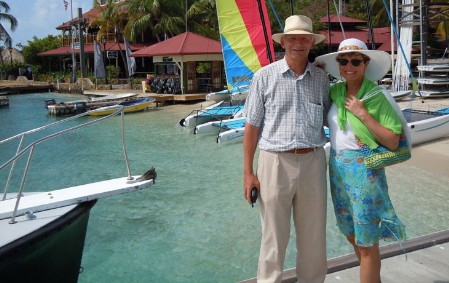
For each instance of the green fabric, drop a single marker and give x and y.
(377, 106)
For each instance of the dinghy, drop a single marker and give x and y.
(134, 105)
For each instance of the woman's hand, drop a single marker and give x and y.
(356, 107)
(382, 135)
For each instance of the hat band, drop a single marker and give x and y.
(351, 47)
(297, 29)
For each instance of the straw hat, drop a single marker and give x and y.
(378, 66)
(298, 24)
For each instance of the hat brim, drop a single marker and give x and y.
(378, 67)
(318, 37)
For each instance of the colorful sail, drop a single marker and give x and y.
(245, 38)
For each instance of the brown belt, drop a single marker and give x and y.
(300, 150)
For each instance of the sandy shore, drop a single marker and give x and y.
(432, 157)
(427, 104)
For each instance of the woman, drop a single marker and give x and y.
(361, 112)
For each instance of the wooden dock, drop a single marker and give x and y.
(163, 98)
(160, 98)
(26, 88)
(426, 261)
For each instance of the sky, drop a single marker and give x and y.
(40, 17)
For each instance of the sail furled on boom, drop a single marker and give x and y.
(245, 35)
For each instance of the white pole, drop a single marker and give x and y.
(392, 40)
(72, 39)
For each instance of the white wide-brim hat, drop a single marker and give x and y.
(378, 67)
(298, 24)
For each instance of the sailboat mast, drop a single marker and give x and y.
(265, 35)
(329, 48)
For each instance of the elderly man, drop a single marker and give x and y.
(286, 106)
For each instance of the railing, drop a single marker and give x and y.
(31, 147)
(88, 39)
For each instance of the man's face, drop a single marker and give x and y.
(297, 45)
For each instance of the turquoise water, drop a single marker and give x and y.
(194, 224)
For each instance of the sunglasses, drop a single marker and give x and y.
(354, 62)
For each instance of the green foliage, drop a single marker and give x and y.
(11, 68)
(112, 71)
(36, 46)
(203, 68)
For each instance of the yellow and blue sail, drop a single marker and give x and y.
(245, 38)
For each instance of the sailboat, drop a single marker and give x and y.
(424, 126)
(245, 35)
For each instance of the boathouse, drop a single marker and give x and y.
(195, 60)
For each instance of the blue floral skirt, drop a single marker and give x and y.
(361, 202)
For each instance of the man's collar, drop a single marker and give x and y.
(286, 67)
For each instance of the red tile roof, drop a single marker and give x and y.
(334, 19)
(381, 37)
(89, 48)
(186, 43)
(89, 16)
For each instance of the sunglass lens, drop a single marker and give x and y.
(342, 62)
(356, 62)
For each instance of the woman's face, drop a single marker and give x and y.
(352, 66)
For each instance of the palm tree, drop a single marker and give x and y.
(203, 18)
(168, 18)
(4, 35)
(112, 19)
(143, 16)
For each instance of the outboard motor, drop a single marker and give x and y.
(49, 102)
(80, 107)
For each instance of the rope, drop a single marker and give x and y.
(414, 84)
(339, 20)
(276, 15)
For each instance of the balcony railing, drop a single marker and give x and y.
(88, 39)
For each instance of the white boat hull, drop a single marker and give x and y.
(190, 119)
(433, 81)
(236, 94)
(434, 68)
(214, 126)
(429, 129)
(47, 248)
(231, 135)
(435, 93)
(397, 95)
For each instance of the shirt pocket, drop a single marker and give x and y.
(314, 115)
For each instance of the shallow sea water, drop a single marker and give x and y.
(194, 224)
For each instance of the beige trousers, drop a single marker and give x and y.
(293, 183)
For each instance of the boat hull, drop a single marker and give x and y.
(216, 127)
(231, 135)
(128, 108)
(51, 253)
(425, 126)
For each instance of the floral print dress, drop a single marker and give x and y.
(361, 202)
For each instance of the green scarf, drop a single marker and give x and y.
(377, 106)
